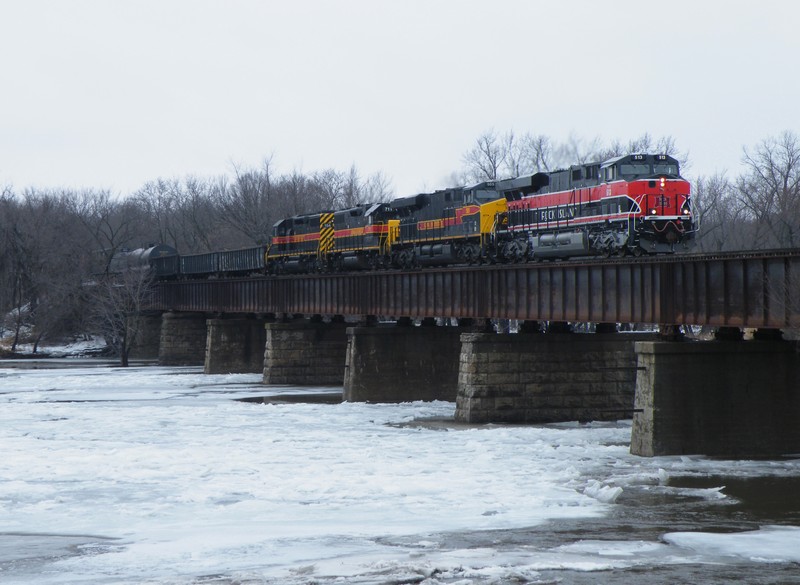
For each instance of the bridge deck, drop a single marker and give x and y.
(759, 289)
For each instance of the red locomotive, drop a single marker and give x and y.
(634, 204)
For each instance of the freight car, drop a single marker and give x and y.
(244, 262)
(160, 258)
(166, 263)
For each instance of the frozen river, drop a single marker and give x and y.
(161, 475)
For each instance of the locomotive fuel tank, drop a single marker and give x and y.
(559, 245)
(433, 254)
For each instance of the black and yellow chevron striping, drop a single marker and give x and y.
(326, 232)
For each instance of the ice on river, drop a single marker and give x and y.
(159, 475)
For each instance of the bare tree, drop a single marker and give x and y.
(577, 150)
(246, 204)
(537, 151)
(769, 191)
(294, 195)
(515, 162)
(159, 200)
(352, 190)
(716, 213)
(109, 225)
(198, 220)
(117, 300)
(43, 263)
(328, 188)
(487, 157)
(377, 188)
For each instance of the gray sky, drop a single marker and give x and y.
(113, 93)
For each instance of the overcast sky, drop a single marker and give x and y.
(113, 93)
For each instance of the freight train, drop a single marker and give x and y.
(629, 205)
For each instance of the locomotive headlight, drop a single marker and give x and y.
(653, 212)
(663, 182)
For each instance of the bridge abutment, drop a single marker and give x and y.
(183, 339)
(235, 346)
(540, 378)
(402, 363)
(722, 398)
(305, 353)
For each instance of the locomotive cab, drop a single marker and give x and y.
(660, 200)
(295, 243)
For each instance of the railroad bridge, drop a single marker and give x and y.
(729, 396)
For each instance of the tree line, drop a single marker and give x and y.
(54, 241)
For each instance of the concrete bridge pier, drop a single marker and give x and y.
(305, 353)
(402, 363)
(235, 345)
(183, 339)
(552, 377)
(727, 398)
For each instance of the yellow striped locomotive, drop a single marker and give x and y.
(356, 238)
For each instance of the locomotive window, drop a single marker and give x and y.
(627, 170)
(665, 169)
(576, 175)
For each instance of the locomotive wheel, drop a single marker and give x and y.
(516, 251)
(406, 259)
(374, 262)
(471, 254)
(461, 254)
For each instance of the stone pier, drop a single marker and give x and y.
(552, 377)
(398, 363)
(305, 353)
(183, 339)
(722, 398)
(235, 346)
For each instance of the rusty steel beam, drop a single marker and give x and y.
(736, 290)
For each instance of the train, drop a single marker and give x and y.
(628, 205)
